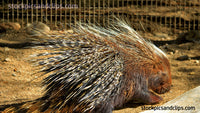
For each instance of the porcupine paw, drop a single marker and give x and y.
(103, 108)
(153, 98)
(146, 98)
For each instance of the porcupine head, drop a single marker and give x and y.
(149, 75)
(97, 69)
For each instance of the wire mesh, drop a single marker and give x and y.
(174, 14)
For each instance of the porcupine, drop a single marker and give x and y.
(97, 69)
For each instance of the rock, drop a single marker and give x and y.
(14, 25)
(176, 51)
(37, 29)
(190, 36)
(7, 60)
(162, 35)
(6, 49)
(9, 25)
(196, 61)
(193, 36)
(69, 31)
(189, 100)
(191, 73)
(182, 58)
(14, 75)
(171, 53)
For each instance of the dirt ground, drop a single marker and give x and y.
(19, 82)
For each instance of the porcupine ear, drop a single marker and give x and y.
(81, 69)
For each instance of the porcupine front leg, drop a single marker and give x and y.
(143, 95)
(103, 108)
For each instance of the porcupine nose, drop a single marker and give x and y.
(164, 89)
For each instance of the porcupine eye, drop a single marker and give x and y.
(162, 83)
(163, 78)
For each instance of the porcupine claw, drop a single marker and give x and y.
(153, 99)
(146, 98)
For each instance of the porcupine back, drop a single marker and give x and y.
(87, 72)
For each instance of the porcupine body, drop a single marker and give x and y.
(98, 69)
